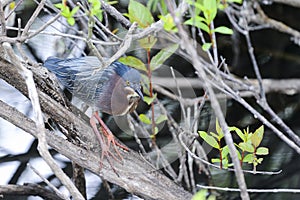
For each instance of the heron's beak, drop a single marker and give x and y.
(134, 95)
(140, 94)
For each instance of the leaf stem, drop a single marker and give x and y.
(151, 94)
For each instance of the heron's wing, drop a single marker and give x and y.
(83, 77)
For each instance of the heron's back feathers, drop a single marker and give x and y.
(85, 78)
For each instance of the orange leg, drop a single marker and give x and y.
(105, 148)
(110, 138)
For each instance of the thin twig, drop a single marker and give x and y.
(2, 20)
(116, 14)
(61, 195)
(276, 190)
(33, 17)
(35, 32)
(214, 45)
(179, 96)
(124, 45)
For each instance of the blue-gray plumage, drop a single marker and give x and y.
(115, 89)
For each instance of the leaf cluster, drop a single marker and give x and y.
(248, 149)
(95, 9)
(204, 13)
(67, 12)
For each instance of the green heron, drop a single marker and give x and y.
(115, 90)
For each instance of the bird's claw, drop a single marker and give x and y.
(111, 140)
(105, 145)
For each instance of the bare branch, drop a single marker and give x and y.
(30, 190)
(276, 190)
(294, 3)
(2, 20)
(61, 195)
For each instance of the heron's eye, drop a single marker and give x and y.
(127, 83)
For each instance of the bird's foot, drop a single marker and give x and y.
(111, 140)
(105, 145)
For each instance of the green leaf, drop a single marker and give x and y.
(257, 136)
(222, 6)
(246, 131)
(71, 21)
(162, 56)
(259, 161)
(206, 46)
(225, 151)
(145, 119)
(112, 2)
(155, 130)
(239, 155)
(214, 135)
(66, 12)
(164, 8)
(262, 151)
(223, 30)
(152, 5)
(210, 11)
(249, 158)
(133, 62)
(59, 5)
(230, 165)
(169, 24)
(209, 139)
(219, 130)
(198, 24)
(200, 195)
(99, 15)
(145, 85)
(215, 160)
(198, 9)
(139, 13)
(249, 136)
(148, 42)
(225, 163)
(193, 20)
(198, 4)
(238, 132)
(204, 27)
(149, 100)
(246, 147)
(160, 119)
(74, 11)
(235, 1)
(96, 4)
(212, 196)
